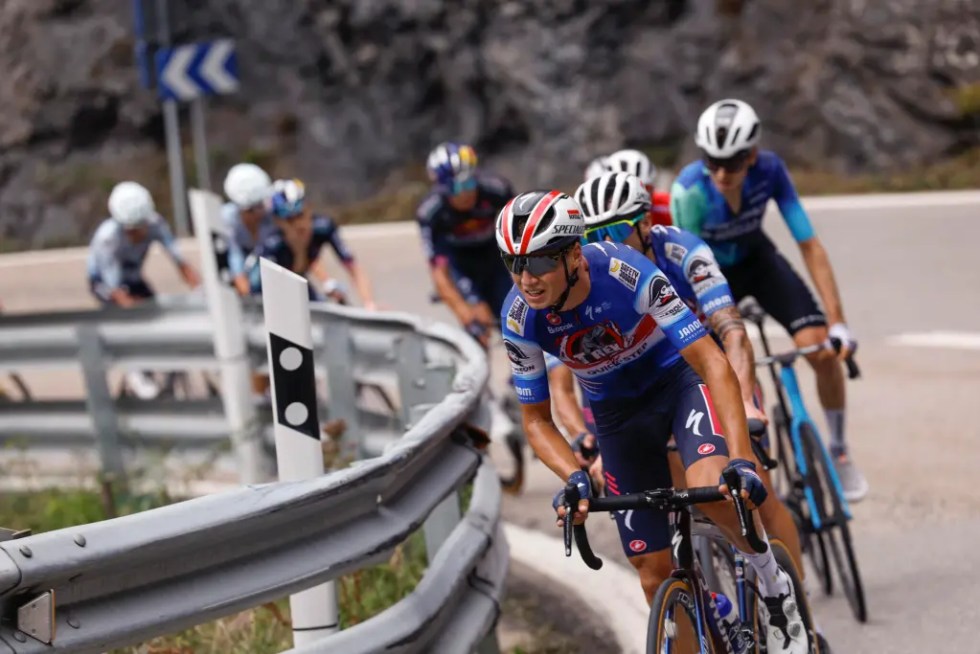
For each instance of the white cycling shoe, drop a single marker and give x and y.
(785, 632)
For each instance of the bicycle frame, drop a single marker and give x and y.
(787, 384)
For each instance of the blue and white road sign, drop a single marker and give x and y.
(186, 72)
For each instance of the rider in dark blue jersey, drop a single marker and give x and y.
(649, 370)
(456, 224)
(298, 241)
(722, 199)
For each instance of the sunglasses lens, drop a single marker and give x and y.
(463, 185)
(535, 265)
(617, 233)
(731, 164)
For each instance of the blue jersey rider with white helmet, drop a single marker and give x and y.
(247, 217)
(650, 371)
(456, 222)
(722, 198)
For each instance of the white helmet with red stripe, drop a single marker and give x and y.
(539, 221)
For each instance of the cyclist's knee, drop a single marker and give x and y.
(654, 568)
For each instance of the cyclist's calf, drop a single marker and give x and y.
(654, 568)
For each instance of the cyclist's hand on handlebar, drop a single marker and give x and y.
(753, 489)
(581, 481)
(752, 412)
(584, 448)
(842, 340)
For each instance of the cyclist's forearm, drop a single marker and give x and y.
(361, 283)
(449, 294)
(728, 325)
(553, 450)
(818, 264)
(566, 404)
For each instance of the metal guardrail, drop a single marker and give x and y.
(375, 351)
(122, 581)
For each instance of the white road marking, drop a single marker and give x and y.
(613, 592)
(894, 200)
(941, 339)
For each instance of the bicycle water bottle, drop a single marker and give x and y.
(730, 623)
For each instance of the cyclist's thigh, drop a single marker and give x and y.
(782, 292)
(634, 459)
(697, 430)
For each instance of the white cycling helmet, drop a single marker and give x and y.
(612, 197)
(539, 221)
(247, 185)
(130, 204)
(595, 168)
(726, 128)
(633, 162)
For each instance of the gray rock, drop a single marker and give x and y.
(352, 94)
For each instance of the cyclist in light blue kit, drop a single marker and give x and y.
(645, 363)
(722, 199)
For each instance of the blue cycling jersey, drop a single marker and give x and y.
(692, 270)
(699, 207)
(618, 342)
(115, 260)
(242, 243)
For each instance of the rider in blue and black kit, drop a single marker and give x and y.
(722, 198)
(456, 222)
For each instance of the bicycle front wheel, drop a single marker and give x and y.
(672, 621)
(834, 529)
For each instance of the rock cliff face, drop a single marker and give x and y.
(351, 94)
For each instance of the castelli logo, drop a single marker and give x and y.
(638, 545)
(706, 448)
(553, 318)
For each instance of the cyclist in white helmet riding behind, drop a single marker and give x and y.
(639, 165)
(116, 256)
(247, 217)
(722, 198)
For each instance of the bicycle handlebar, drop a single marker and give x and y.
(666, 498)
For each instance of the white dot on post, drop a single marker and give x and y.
(297, 413)
(290, 358)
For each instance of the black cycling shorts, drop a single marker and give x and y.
(768, 277)
(633, 435)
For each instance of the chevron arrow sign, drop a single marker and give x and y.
(186, 72)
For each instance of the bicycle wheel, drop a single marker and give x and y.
(835, 530)
(785, 561)
(672, 619)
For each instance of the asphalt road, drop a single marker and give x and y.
(905, 266)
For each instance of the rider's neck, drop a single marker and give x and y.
(581, 289)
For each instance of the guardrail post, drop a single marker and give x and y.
(286, 306)
(413, 380)
(338, 361)
(99, 401)
(230, 345)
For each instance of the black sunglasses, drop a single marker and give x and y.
(536, 265)
(732, 164)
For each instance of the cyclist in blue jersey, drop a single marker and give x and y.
(298, 242)
(456, 222)
(247, 217)
(640, 356)
(116, 256)
(722, 199)
(615, 209)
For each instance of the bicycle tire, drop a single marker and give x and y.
(835, 525)
(669, 597)
(785, 561)
(817, 544)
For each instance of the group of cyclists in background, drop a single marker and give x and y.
(626, 289)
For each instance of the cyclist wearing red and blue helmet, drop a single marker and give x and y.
(456, 221)
(298, 241)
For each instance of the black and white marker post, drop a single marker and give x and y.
(286, 304)
(229, 335)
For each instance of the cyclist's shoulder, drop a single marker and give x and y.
(691, 176)
(230, 214)
(324, 224)
(107, 233)
(615, 262)
(494, 185)
(431, 205)
(768, 162)
(660, 199)
(516, 316)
